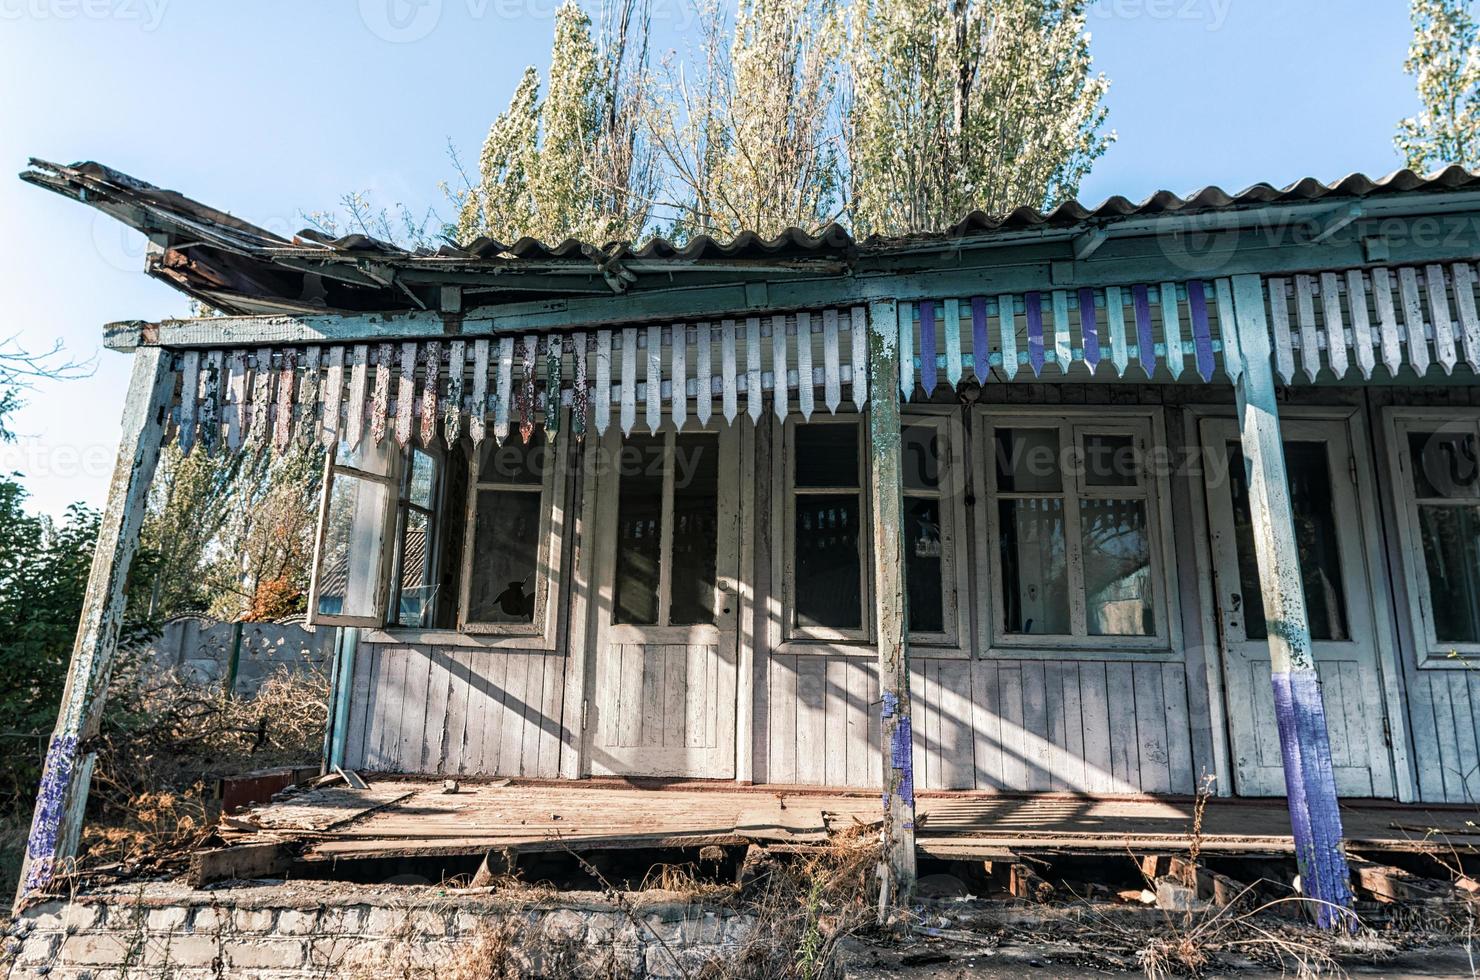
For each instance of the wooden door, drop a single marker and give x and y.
(667, 560)
(1338, 599)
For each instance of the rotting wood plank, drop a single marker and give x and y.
(266, 859)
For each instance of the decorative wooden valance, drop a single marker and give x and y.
(488, 386)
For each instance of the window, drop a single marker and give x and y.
(828, 584)
(830, 539)
(1075, 547)
(349, 578)
(508, 553)
(1439, 487)
(668, 527)
(414, 581)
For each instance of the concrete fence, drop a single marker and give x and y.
(206, 652)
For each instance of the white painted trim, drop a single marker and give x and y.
(1430, 654)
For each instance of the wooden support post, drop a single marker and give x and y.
(62, 796)
(1310, 782)
(897, 868)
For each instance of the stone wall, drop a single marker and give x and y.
(199, 650)
(298, 930)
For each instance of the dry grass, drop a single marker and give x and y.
(163, 739)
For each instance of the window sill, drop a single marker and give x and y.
(803, 647)
(1086, 652)
(454, 638)
(1465, 659)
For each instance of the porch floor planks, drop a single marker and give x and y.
(399, 817)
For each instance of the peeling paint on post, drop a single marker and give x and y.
(62, 795)
(897, 867)
(1305, 744)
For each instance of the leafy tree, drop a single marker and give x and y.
(752, 140)
(968, 104)
(574, 164)
(1444, 59)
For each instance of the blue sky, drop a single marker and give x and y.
(272, 108)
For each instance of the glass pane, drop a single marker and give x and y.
(828, 573)
(367, 456)
(1028, 461)
(920, 457)
(1117, 568)
(639, 530)
(695, 528)
(415, 602)
(827, 455)
(1035, 568)
(515, 461)
(922, 561)
(349, 568)
(1451, 552)
(1315, 541)
(419, 482)
(1444, 464)
(506, 547)
(1109, 461)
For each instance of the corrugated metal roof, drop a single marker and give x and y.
(239, 267)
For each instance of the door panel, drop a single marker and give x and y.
(663, 701)
(1338, 604)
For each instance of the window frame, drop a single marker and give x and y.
(539, 632)
(333, 471)
(1147, 427)
(403, 503)
(1398, 421)
(955, 640)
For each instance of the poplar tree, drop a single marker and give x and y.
(1444, 59)
(752, 138)
(968, 104)
(573, 163)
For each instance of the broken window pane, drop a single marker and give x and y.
(1035, 569)
(505, 562)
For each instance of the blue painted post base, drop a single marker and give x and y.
(46, 826)
(1310, 786)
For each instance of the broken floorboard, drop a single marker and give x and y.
(411, 818)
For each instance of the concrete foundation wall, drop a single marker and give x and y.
(313, 929)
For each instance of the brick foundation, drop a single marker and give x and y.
(318, 929)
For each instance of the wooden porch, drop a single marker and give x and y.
(397, 817)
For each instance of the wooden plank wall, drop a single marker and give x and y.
(1443, 702)
(456, 710)
(1074, 725)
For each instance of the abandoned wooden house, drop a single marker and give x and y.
(1101, 502)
